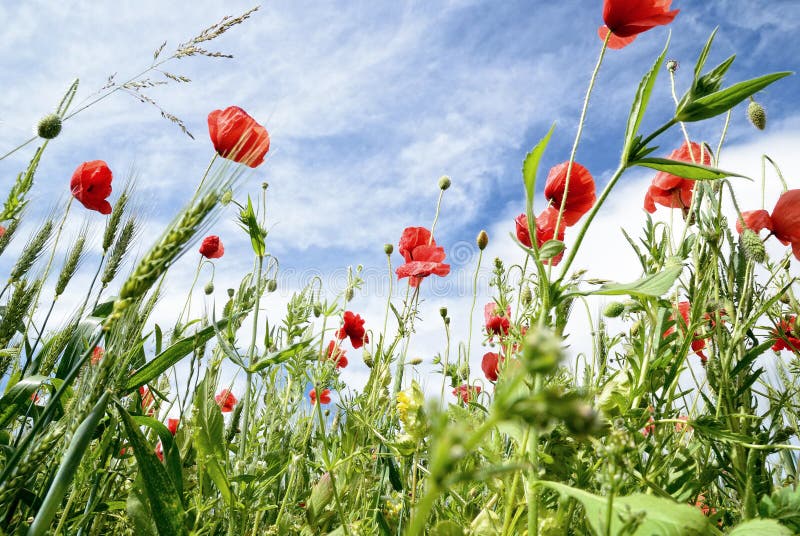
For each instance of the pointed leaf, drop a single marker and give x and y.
(651, 286)
(209, 439)
(723, 100)
(687, 170)
(530, 166)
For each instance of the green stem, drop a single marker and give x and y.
(474, 300)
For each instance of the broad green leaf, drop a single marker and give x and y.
(66, 470)
(640, 102)
(165, 503)
(761, 527)
(551, 248)
(281, 356)
(530, 166)
(687, 170)
(18, 398)
(723, 100)
(172, 355)
(138, 513)
(209, 439)
(661, 516)
(651, 286)
(171, 455)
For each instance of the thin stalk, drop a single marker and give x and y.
(474, 300)
(250, 362)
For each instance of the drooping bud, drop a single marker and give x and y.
(321, 495)
(614, 309)
(209, 289)
(388, 249)
(483, 240)
(272, 285)
(317, 310)
(757, 115)
(368, 361)
(752, 246)
(226, 198)
(49, 126)
(444, 182)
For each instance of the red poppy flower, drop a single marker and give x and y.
(337, 355)
(755, 220)
(497, 322)
(324, 396)
(226, 401)
(212, 247)
(172, 425)
(545, 230)
(467, 392)
(670, 190)
(490, 364)
(580, 195)
(697, 341)
(237, 136)
(423, 257)
(784, 222)
(628, 18)
(785, 335)
(649, 428)
(2, 231)
(91, 185)
(354, 328)
(159, 451)
(97, 355)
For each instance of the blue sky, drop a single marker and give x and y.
(367, 104)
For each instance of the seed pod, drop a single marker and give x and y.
(444, 182)
(49, 126)
(388, 249)
(752, 246)
(672, 65)
(443, 312)
(757, 115)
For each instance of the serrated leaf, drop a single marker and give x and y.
(723, 100)
(687, 170)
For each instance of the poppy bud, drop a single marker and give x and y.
(272, 285)
(49, 126)
(368, 361)
(231, 292)
(672, 65)
(317, 310)
(614, 309)
(415, 361)
(264, 185)
(498, 263)
(527, 296)
(226, 198)
(443, 312)
(209, 288)
(757, 115)
(752, 246)
(388, 249)
(483, 240)
(348, 294)
(444, 182)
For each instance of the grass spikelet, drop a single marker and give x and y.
(33, 250)
(5, 240)
(118, 252)
(71, 263)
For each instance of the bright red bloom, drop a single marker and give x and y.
(226, 401)
(497, 322)
(580, 194)
(628, 18)
(172, 425)
(423, 257)
(212, 247)
(91, 185)
(467, 392)
(670, 190)
(354, 328)
(755, 220)
(324, 396)
(784, 222)
(337, 355)
(786, 335)
(489, 364)
(697, 341)
(97, 355)
(545, 230)
(2, 231)
(237, 136)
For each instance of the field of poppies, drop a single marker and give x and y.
(684, 420)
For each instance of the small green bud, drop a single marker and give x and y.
(209, 289)
(272, 285)
(527, 296)
(443, 311)
(757, 115)
(368, 361)
(348, 294)
(498, 263)
(444, 182)
(226, 198)
(231, 292)
(388, 249)
(752, 246)
(483, 240)
(49, 126)
(541, 351)
(614, 309)
(317, 310)
(264, 185)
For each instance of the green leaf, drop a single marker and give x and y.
(172, 355)
(640, 102)
(687, 170)
(249, 222)
(281, 356)
(660, 515)
(651, 286)
(138, 513)
(66, 470)
(18, 398)
(172, 456)
(209, 439)
(723, 100)
(762, 527)
(447, 528)
(165, 503)
(530, 166)
(701, 60)
(551, 248)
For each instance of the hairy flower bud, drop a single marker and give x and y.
(527, 295)
(752, 246)
(614, 309)
(49, 126)
(483, 240)
(317, 310)
(209, 288)
(272, 285)
(444, 182)
(757, 115)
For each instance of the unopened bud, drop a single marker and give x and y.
(388, 249)
(368, 361)
(209, 289)
(317, 310)
(672, 65)
(752, 246)
(527, 296)
(272, 285)
(444, 182)
(614, 309)
(321, 495)
(231, 292)
(757, 115)
(264, 185)
(483, 240)
(498, 263)
(226, 198)
(443, 312)
(49, 126)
